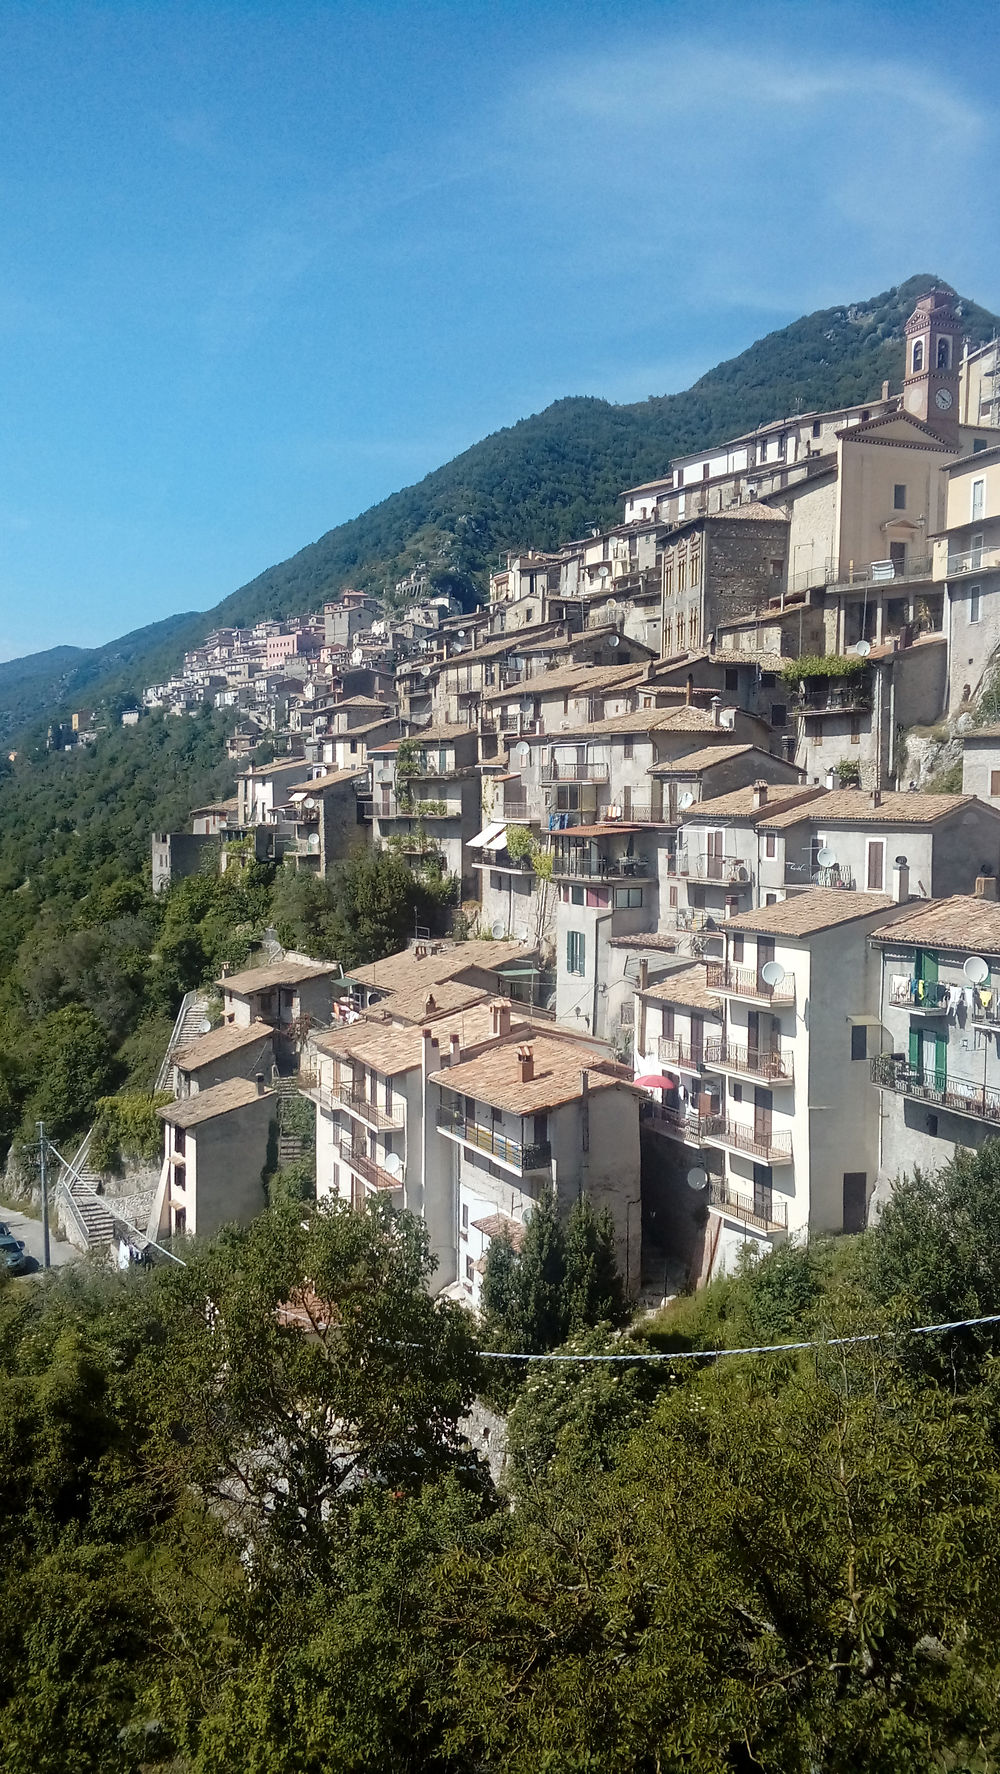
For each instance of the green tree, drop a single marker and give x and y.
(74, 1065)
(593, 1290)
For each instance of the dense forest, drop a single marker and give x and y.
(535, 484)
(241, 1527)
(93, 966)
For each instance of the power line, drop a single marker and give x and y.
(909, 1330)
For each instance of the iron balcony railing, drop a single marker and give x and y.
(770, 1148)
(986, 1005)
(730, 870)
(600, 868)
(746, 982)
(517, 810)
(677, 1124)
(767, 1216)
(933, 1085)
(367, 1167)
(752, 1062)
(974, 560)
(906, 992)
(832, 702)
(349, 1097)
(556, 772)
(485, 1139)
(680, 1053)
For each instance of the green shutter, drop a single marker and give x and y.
(927, 966)
(916, 1036)
(940, 1062)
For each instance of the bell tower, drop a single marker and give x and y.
(933, 353)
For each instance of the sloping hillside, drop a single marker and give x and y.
(537, 483)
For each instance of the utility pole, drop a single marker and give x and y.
(46, 1259)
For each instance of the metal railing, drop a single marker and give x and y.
(906, 992)
(368, 1168)
(680, 1053)
(974, 560)
(675, 1123)
(753, 1062)
(517, 810)
(932, 1085)
(359, 1103)
(486, 1139)
(689, 917)
(746, 982)
(769, 1147)
(840, 701)
(731, 870)
(556, 772)
(775, 1219)
(601, 868)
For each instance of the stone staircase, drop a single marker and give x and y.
(192, 1021)
(77, 1184)
(290, 1145)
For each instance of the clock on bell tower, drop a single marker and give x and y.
(933, 353)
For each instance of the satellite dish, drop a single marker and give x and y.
(614, 640)
(522, 752)
(697, 1178)
(772, 973)
(862, 649)
(687, 799)
(460, 634)
(976, 970)
(604, 573)
(900, 862)
(392, 1164)
(741, 874)
(526, 705)
(498, 929)
(826, 857)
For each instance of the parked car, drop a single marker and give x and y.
(5, 1231)
(13, 1255)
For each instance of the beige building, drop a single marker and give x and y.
(215, 1151)
(231, 1051)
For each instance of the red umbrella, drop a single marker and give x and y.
(656, 1081)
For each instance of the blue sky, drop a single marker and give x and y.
(263, 264)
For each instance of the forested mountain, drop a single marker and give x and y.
(534, 484)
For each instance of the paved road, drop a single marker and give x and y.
(30, 1232)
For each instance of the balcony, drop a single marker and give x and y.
(520, 1157)
(770, 1066)
(517, 811)
(746, 982)
(345, 1096)
(962, 1096)
(839, 701)
(929, 996)
(582, 865)
(974, 560)
(729, 871)
(556, 772)
(675, 1124)
(800, 875)
(689, 917)
(765, 1215)
(366, 1167)
(862, 576)
(680, 1054)
(755, 1142)
(986, 1007)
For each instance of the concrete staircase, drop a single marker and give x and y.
(290, 1145)
(77, 1184)
(192, 1021)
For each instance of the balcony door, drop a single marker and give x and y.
(762, 1193)
(697, 1040)
(713, 856)
(763, 1105)
(765, 953)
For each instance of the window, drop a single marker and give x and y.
(817, 428)
(899, 497)
(732, 679)
(470, 1270)
(975, 601)
(875, 875)
(897, 555)
(994, 783)
(668, 1022)
(978, 443)
(944, 354)
(865, 415)
(770, 844)
(576, 896)
(859, 1041)
(737, 950)
(735, 1091)
(770, 899)
(576, 952)
(978, 499)
(628, 748)
(777, 568)
(180, 1221)
(496, 881)
(917, 357)
(178, 1142)
(628, 898)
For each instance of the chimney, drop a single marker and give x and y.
(526, 1061)
(876, 797)
(885, 390)
(716, 711)
(900, 880)
(430, 1004)
(689, 690)
(986, 887)
(429, 1054)
(456, 1048)
(760, 794)
(643, 974)
(260, 1083)
(831, 778)
(500, 1017)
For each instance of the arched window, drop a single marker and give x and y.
(944, 354)
(918, 356)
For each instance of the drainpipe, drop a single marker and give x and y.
(601, 919)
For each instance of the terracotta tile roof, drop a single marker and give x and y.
(590, 679)
(389, 1050)
(279, 973)
(696, 761)
(963, 922)
(806, 913)
(447, 995)
(495, 1224)
(222, 1099)
(495, 1076)
(406, 972)
(739, 804)
(652, 940)
(441, 732)
(317, 784)
(749, 655)
(218, 1042)
(274, 769)
(990, 731)
(686, 987)
(852, 806)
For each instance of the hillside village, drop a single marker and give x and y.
(717, 957)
